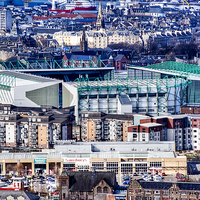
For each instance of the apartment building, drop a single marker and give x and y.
(98, 126)
(5, 19)
(145, 132)
(162, 190)
(177, 128)
(34, 127)
(97, 39)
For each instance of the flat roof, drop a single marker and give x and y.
(150, 124)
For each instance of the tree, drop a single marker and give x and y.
(20, 169)
(190, 50)
(170, 56)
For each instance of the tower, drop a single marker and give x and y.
(100, 22)
(83, 42)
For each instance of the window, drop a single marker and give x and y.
(143, 135)
(98, 189)
(141, 167)
(90, 193)
(98, 165)
(81, 193)
(83, 168)
(70, 167)
(105, 190)
(64, 182)
(156, 164)
(166, 192)
(183, 193)
(64, 196)
(192, 193)
(126, 168)
(112, 166)
(143, 130)
(134, 129)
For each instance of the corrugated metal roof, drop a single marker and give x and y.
(26, 76)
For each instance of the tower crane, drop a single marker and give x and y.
(186, 2)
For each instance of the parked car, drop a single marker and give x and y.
(126, 182)
(135, 174)
(163, 174)
(181, 177)
(56, 192)
(126, 177)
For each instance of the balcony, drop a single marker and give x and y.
(106, 138)
(98, 126)
(119, 133)
(98, 132)
(118, 123)
(119, 128)
(98, 138)
(2, 129)
(83, 135)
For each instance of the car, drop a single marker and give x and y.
(163, 174)
(135, 174)
(126, 182)
(177, 175)
(181, 177)
(126, 177)
(56, 192)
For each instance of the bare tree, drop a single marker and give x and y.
(20, 169)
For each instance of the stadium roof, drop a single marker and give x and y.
(173, 68)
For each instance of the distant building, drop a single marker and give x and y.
(5, 19)
(97, 39)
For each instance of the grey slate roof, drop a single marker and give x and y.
(27, 196)
(167, 185)
(86, 181)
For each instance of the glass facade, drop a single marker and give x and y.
(45, 96)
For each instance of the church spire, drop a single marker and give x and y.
(100, 21)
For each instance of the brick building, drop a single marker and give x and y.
(87, 185)
(138, 190)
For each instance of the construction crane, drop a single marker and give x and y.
(187, 3)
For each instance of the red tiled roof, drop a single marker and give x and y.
(39, 18)
(88, 15)
(63, 15)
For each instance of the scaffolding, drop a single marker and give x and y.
(148, 96)
(51, 64)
